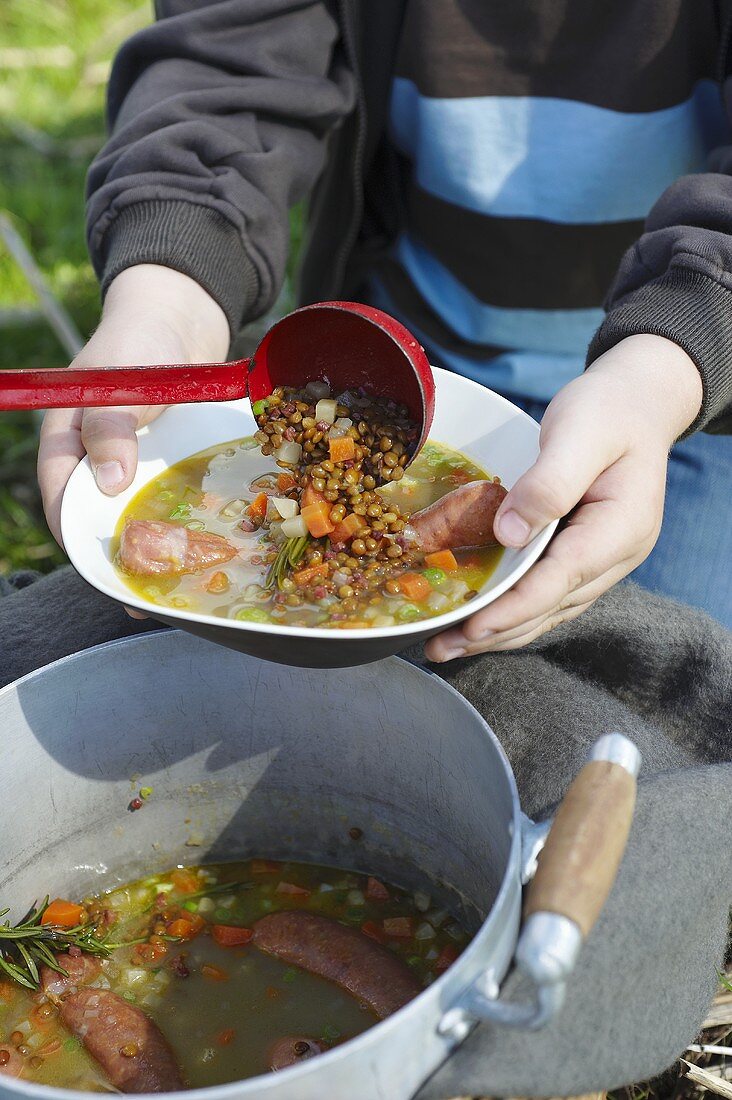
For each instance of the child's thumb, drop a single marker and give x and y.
(568, 464)
(111, 443)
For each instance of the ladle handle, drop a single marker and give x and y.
(580, 859)
(89, 387)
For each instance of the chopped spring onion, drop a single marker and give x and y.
(326, 410)
(180, 511)
(252, 615)
(196, 525)
(288, 452)
(294, 528)
(287, 508)
(317, 390)
(436, 577)
(407, 613)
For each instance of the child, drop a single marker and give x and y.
(479, 170)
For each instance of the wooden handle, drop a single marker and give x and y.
(582, 854)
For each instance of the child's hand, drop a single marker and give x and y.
(151, 315)
(604, 446)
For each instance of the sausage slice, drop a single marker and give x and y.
(128, 1046)
(343, 955)
(156, 548)
(461, 518)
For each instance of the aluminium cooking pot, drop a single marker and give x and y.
(248, 757)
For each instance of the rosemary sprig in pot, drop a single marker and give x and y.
(29, 944)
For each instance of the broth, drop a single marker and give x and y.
(213, 491)
(221, 1007)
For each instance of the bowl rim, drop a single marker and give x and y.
(433, 623)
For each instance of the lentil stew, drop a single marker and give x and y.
(221, 972)
(313, 521)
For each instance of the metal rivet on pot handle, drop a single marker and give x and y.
(575, 873)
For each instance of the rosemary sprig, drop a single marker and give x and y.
(289, 555)
(29, 944)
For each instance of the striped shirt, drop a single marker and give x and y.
(533, 138)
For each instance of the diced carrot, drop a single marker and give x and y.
(342, 449)
(258, 508)
(353, 624)
(376, 891)
(399, 928)
(219, 583)
(214, 973)
(150, 952)
(291, 890)
(414, 586)
(371, 929)
(311, 496)
(273, 992)
(317, 519)
(305, 576)
(181, 929)
(263, 866)
(227, 935)
(442, 559)
(446, 957)
(185, 881)
(65, 914)
(348, 528)
(285, 482)
(225, 1037)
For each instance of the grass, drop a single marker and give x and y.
(56, 100)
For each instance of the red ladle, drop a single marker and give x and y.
(346, 344)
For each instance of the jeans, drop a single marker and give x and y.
(692, 560)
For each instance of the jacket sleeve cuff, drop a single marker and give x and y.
(194, 239)
(694, 312)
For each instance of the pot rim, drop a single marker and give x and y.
(437, 991)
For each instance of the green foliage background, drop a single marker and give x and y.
(55, 56)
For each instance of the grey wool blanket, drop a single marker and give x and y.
(636, 663)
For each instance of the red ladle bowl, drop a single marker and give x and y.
(346, 344)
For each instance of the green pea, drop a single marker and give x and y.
(191, 906)
(222, 914)
(258, 407)
(289, 976)
(252, 615)
(436, 577)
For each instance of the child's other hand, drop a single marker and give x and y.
(605, 440)
(151, 315)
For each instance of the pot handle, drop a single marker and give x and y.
(576, 871)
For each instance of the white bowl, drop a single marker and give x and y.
(468, 417)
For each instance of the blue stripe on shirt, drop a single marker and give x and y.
(530, 375)
(555, 159)
(562, 331)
